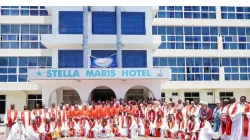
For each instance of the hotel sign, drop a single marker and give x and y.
(94, 73)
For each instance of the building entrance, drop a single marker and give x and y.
(71, 95)
(102, 94)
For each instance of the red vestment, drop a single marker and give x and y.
(170, 126)
(91, 132)
(102, 112)
(94, 113)
(24, 117)
(246, 120)
(48, 136)
(151, 116)
(158, 127)
(228, 120)
(38, 117)
(10, 120)
(71, 125)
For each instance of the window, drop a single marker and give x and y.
(134, 59)
(193, 12)
(236, 68)
(23, 11)
(132, 23)
(14, 69)
(175, 94)
(23, 36)
(226, 95)
(179, 37)
(2, 104)
(190, 68)
(235, 38)
(192, 96)
(163, 97)
(34, 99)
(230, 12)
(71, 95)
(103, 23)
(210, 93)
(70, 59)
(70, 22)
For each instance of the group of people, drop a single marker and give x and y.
(117, 118)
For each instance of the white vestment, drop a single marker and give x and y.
(123, 130)
(45, 127)
(67, 128)
(196, 127)
(85, 127)
(12, 115)
(132, 129)
(163, 126)
(248, 116)
(172, 130)
(17, 132)
(223, 111)
(206, 133)
(31, 134)
(140, 127)
(184, 113)
(104, 132)
(95, 129)
(236, 118)
(26, 118)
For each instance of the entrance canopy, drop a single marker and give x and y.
(99, 74)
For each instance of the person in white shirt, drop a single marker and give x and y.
(25, 115)
(17, 131)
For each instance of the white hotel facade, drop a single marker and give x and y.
(206, 47)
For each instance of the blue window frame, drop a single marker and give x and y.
(14, 69)
(103, 23)
(70, 59)
(134, 58)
(23, 11)
(231, 12)
(133, 23)
(70, 22)
(193, 12)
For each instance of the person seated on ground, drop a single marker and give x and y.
(181, 128)
(115, 131)
(205, 131)
(84, 127)
(131, 126)
(104, 128)
(159, 126)
(140, 125)
(147, 128)
(46, 129)
(59, 129)
(70, 128)
(93, 128)
(33, 131)
(171, 128)
(17, 131)
(192, 126)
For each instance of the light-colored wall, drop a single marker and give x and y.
(203, 94)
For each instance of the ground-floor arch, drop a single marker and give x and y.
(102, 93)
(66, 94)
(138, 92)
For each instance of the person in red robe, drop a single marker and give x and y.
(47, 129)
(61, 114)
(178, 115)
(53, 111)
(76, 114)
(207, 112)
(139, 111)
(93, 112)
(93, 130)
(112, 109)
(181, 128)
(10, 118)
(115, 132)
(147, 128)
(117, 109)
(159, 126)
(71, 127)
(151, 115)
(37, 113)
(68, 112)
(245, 117)
(85, 111)
(102, 111)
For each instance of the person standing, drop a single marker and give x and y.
(233, 121)
(245, 118)
(37, 113)
(10, 118)
(216, 117)
(25, 115)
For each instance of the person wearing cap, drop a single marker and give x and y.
(17, 131)
(46, 129)
(32, 131)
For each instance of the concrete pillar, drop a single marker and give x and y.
(220, 43)
(46, 95)
(221, 74)
(54, 58)
(218, 12)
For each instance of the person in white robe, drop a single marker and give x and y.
(192, 126)
(69, 129)
(171, 128)
(245, 117)
(223, 112)
(234, 112)
(25, 115)
(159, 123)
(140, 125)
(33, 131)
(17, 131)
(46, 129)
(132, 126)
(93, 128)
(121, 122)
(59, 129)
(84, 126)
(205, 131)
(10, 118)
(104, 129)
